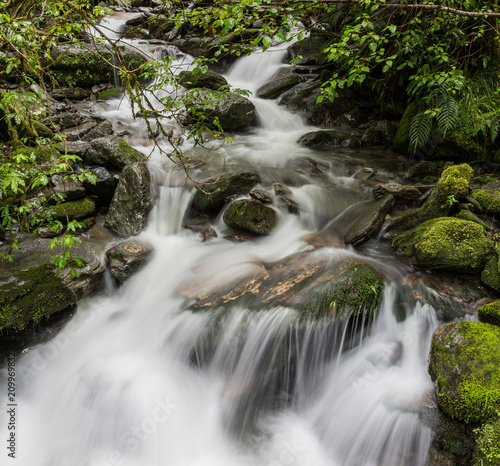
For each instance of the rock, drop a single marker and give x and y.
(105, 185)
(471, 217)
(233, 112)
(132, 202)
(464, 363)
(72, 93)
(369, 223)
(446, 243)
(387, 131)
(105, 128)
(111, 93)
(127, 258)
(365, 174)
(491, 274)
(78, 148)
(283, 80)
(452, 186)
(31, 289)
(281, 190)
(308, 166)
(356, 291)
(113, 152)
(401, 142)
(78, 133)
(74, 210)
(327, 140)
(310, 49)
(490, 313)
(421, 170)
(261, 195)
(401, 193)
(65, 119)
(208, 233)
(488, 200)
(209, 80)
(211, 195)
(251, 215)
(159, 26)
(286, 203)
(70, 189)
(90, 64)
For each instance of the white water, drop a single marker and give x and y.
(135, 379)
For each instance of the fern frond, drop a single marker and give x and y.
(420, 130)
(447, 117)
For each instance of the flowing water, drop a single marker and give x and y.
(138, 379)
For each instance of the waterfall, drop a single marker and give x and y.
(140, 378)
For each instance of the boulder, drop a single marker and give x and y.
(159, 26)
(309, 167)
(110, 93)
(251, 215)
(401, 193)
(327, 140)
(132, 201)
(102, 129)
(90, 64)
(446, 243)
(112, 152)
(208, 79)
(490, 313)
(370, 222)
(283, 80)
(212, 195)
(464, 364)
(71, 190)
(310, 50)
(78, 133)
(127, 258)
(233, 112)
(488, 200)
(72, 93)
(490, 275)
(105, 185)
(32, 288)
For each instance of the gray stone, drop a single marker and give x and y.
(285, 79)
(127, 258)
(251, 215)
(327, 140)
(113, 152)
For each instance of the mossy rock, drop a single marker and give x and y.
(209, 80)
(110, 93)
(465, 366)
(454, 181)
(401, 142)
(75, 210)
(488, 200)
(112, 152)
(251, 215)
(487, 451)
(491, 274)
(356, 292)
(490, 313)
(446, 243)
(212, 195)
(472, 217)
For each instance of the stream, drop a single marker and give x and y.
(138, 379)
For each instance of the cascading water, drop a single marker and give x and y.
(136, 378)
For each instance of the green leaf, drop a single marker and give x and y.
(266, 43)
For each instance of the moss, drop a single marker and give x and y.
(75, 210)
(471, 217)
(491, 275)
(487, 451)
(357, 292)
(490, 313)
(465, 364)
(402, 140)
(108, 94)
(30, 296)
(446, 243)
(488, 200)
(454, 181)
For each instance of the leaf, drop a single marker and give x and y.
(266, 43)
(448, 116)
(420, 130)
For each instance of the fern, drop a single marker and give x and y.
(420, 129)
(447, 117)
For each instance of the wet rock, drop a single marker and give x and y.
(110, 93)
(261, 195)
(309, 167)
(369, 223)
(387, 131)
(127, 258)
(105, 185)
(132, 202)
(78, 148)
(211, 195)
(209, 80)
(467, 387)
(208, 233)
(421, 170)
(281, 190)
(65, 120)
(283, 80)
(446, 243)
(401, 193)
(488, 200)
(90, 64)
(159, 26)
(74, 210)
(327, 140)
(105, 128)
(490, 275)
(31, 289)
(465, 214)
(233, 112)
(251, 215)
(71, 190)
(78, 133)
(490, 313)
(113, 152)
(291, 206)
(310, 49)
(364, 174)
(72, 93)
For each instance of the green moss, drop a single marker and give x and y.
(30, 296)
(488, 200)
(75, 210)
(446, 243)
(402, 140)
(358, 291)
(454, 181)
(108, 94)
(471, 217)
(491, 275)
(490, 313)
(465, 364)
(487, 451)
